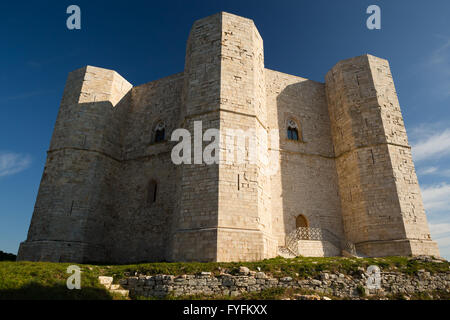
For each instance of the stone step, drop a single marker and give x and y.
(113, 288)
(106, 281)
(285, 253)
(122, 292)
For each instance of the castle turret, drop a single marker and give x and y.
(382, 207)
(195, 229)
(244, 213)
(224, 207)
(76, 191)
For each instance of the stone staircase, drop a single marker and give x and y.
(107, 282)
(285, 252)
(291, 248)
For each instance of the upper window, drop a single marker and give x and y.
(292, 130)
(160, 132)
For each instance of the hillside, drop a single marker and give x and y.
(43, 280)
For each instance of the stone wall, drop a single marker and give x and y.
(306, 180)
(195, 229)
(336, 285)
(143, 225)
(244, 215)
(316, 248)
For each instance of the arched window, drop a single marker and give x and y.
(152, 192)
(301, 222)
(160, 132)
(292, 130)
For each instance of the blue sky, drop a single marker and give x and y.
(145, 40)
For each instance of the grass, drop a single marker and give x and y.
(45, 280)
(298, 268)
(266, 294)
(361, 290)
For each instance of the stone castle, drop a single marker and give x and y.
(346, 182)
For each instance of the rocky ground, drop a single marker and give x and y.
(325, 285)
(277, 278)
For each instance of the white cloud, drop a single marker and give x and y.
(440, 56)
(439, 229)
(436, 200)
(427, 129)
(440, 232)
(443, 242)
(433, 146)
(439, 65)
(432, 141)
(12, 163)
(435, 171)
(437, 197)
(428, 170)
(25, 95)
(444, 245)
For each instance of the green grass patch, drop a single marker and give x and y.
(45, 280)
(298, 268)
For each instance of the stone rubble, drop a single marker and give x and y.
(326, 283)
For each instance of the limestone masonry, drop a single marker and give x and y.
(345, 183)
(335, 284)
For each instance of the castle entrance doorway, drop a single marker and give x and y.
(301, 222)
